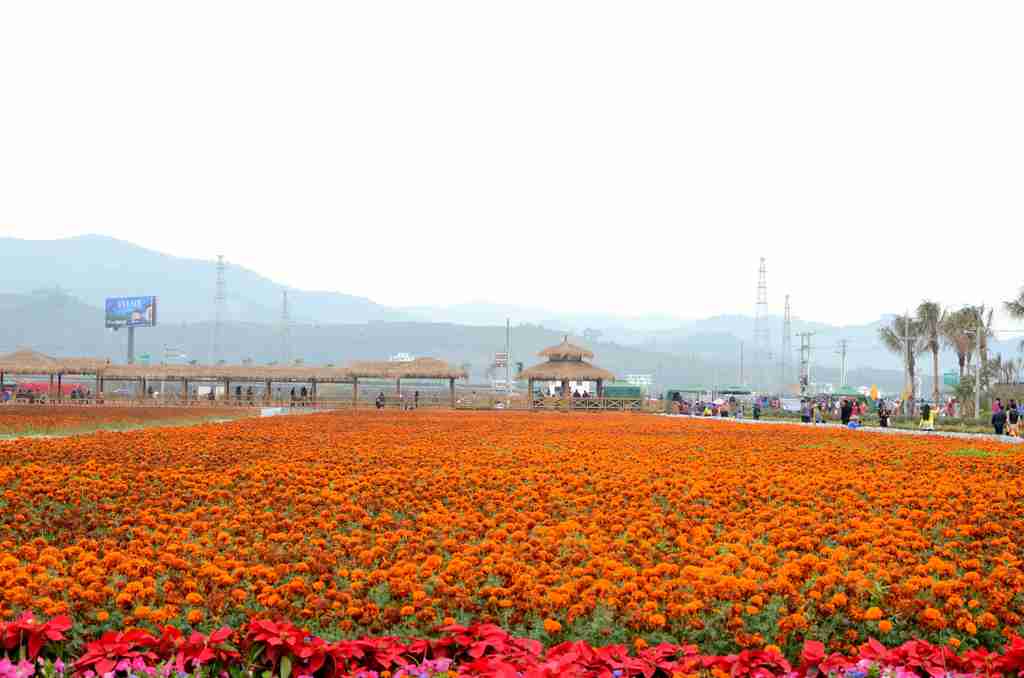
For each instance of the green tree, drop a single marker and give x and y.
(958, 334)
(983, 323)
(1015, 307)
(902, 338)
(930, 318)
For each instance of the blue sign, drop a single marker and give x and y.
(131, 312)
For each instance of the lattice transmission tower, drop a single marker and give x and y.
(762, 341)
(220, 297)
(286, 330)
(787, 345)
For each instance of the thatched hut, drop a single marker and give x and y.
(566, 362)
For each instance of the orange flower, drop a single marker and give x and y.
(625, 523)
(551, 626)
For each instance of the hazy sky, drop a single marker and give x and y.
(628, 157)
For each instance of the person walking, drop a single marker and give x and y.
(416, 400)
(883, 414)
(927, 417)
(1013, 416)
(999, 421)
(805, 411)
(819, 414)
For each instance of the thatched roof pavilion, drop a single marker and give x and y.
(566, 362)
(28, 362)
(420, 368)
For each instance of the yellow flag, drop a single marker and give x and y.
(874, 392)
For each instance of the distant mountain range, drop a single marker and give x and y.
(94, 267)
(54, 292)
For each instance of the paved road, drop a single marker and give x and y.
(871, 429)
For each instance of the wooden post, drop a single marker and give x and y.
(227, 390)
(355, 393)
(60, 388)
(451, 391)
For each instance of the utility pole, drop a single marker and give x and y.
(508, 360)
(805, 361)
(842, 352)
(977, 379)
(741, 363)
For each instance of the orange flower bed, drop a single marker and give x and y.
(603, 527)
(24, 419)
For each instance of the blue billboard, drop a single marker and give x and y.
(131, 312)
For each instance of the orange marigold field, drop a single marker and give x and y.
(602, 527)
(28, 419)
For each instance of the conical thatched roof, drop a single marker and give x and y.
(566, 370)
(566, 351)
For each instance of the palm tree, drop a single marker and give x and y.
(1015, 307)
(957, 333)
(982, 318)
(895, 338)
(930, 318)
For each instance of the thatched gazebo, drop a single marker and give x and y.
(566, 362)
